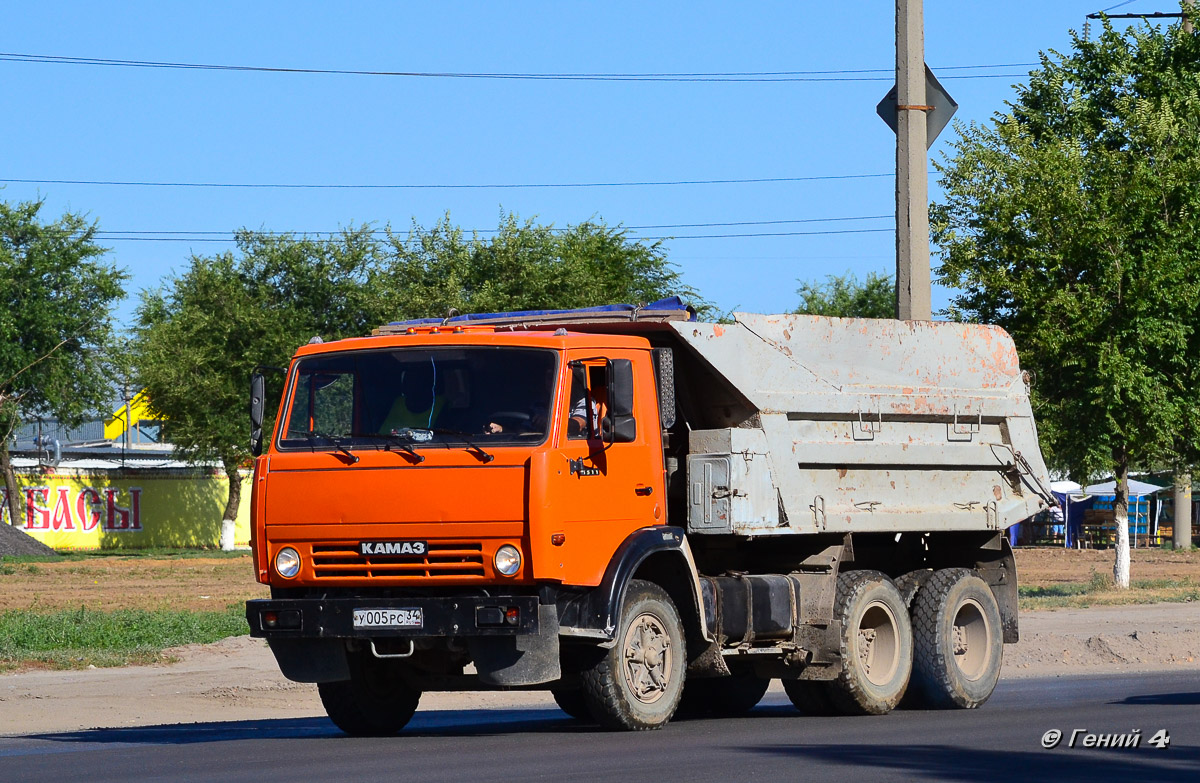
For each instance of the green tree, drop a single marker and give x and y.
(56, 300)
(1072, 220)
(199, 335)
(525, 266)
(845, 297)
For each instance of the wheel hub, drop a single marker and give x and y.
(971, 640)
(648, 658)
(878, 643)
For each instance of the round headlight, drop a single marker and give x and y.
(287, 562)
(508, 560)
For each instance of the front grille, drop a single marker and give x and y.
(443, 560)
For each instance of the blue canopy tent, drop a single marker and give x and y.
(1143, 508)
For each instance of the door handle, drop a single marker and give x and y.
(643, 490)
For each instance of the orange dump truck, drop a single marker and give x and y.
(637, 510)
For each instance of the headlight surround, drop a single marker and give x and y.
(287, 562)
(507, 560)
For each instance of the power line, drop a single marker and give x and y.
(731, 76)
(107, 232)
(428, 186)
(636, 237)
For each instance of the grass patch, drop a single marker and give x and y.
(1100, 590)
(167, 553)
(80, 638)
(8, 569)
(9, 560)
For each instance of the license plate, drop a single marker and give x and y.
(388, 618)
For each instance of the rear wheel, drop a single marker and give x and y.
(724, 696)
(637, 684)
(374, 702)
(959, 644)
(876, 645)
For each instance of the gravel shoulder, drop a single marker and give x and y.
(237, 680)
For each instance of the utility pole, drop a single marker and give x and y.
(1181, 530)
(912, 163)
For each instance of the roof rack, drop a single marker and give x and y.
(664, 310)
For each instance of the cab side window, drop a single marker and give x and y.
(589, 383)
(579, 403)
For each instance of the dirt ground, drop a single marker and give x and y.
(129, 582)
(1046, 566)
(237, 679)
(199, 583)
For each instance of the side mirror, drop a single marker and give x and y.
(620, 387)
(618, 429)
(257, 393)
(619, 426)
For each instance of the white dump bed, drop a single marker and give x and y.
(864, 425)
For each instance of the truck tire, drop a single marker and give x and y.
(727, 697)
(372, 703)
(877, 645)
(572, 702)
(958, 639)
(810, 696)
(908, 584)
(636, 685)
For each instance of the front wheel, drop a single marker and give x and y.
(959, 644)
(374, 702)
(572, 701)
(637, 684)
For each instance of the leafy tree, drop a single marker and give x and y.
(1072, 220)
(525, 266)
(56, 299)
(845, 297)
(199, 336)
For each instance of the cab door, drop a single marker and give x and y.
(588, 493)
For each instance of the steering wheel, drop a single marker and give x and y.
(516, 416)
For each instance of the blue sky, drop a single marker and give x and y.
(74, 122)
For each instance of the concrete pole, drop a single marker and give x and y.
(1181, 535)
(912, 161)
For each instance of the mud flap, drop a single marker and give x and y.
(998, 568)
(509, 661)
(311, 660)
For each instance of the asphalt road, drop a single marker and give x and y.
(1002, 741)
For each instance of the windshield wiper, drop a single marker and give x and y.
(338, 445)
(394, 440)
(472, 446)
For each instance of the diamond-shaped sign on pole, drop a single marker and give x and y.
(935, 119)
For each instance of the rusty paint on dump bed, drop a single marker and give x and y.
(885, 421)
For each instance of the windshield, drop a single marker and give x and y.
(417, 397)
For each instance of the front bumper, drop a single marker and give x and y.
(333, 618)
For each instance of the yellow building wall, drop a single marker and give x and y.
(127, 509)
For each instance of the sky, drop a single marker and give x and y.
(818, 132)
